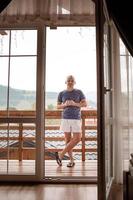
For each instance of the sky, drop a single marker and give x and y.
(69, 50)
(73, 52)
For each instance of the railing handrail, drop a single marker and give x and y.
(88, 113)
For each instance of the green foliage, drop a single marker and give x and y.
(50, 107)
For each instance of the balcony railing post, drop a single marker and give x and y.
(20, 141)
(83, 139)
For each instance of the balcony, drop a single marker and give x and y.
(18, 144)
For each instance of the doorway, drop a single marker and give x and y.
(71, 51)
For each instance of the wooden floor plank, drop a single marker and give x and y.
(48, 192)
(54, 191)
(87, 168)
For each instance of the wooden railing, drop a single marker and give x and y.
(25, 120)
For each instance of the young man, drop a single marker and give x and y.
(70, 100)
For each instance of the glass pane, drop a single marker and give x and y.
(22, 83)
(122, 48)
(108, 109)
(4, 43)
(24, 42)
(123, 71)
(17, 148)
(3, 82)
(126, 106)
(21, 148)
(3, 148)
(18, 79)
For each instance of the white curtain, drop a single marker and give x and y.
(53, 10)
(123, 109)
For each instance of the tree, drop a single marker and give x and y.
(50, 107)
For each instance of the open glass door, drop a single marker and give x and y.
(108, 110)
(18, 59)
(105, 115)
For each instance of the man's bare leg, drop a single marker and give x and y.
(68, 138)
(75, 140)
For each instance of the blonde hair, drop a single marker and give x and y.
(70, 77)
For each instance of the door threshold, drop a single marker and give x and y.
(88, 180)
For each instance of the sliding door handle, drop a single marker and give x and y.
(107, 90)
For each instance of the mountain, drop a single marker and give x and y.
(18, 99)
(25, 99)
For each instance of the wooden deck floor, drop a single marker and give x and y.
(48, 192)
(87, 168)
(82, 169)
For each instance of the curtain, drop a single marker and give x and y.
(123, 137)
(126, 71)
(121, 13)
(3, 4)
(49, 10)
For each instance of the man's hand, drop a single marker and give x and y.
(70, 103)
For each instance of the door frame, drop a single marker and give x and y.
(100, 101)
(101, 16)
(40, 119)
(69, 179)
(40, 101)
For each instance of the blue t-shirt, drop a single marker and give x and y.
(71, 112)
